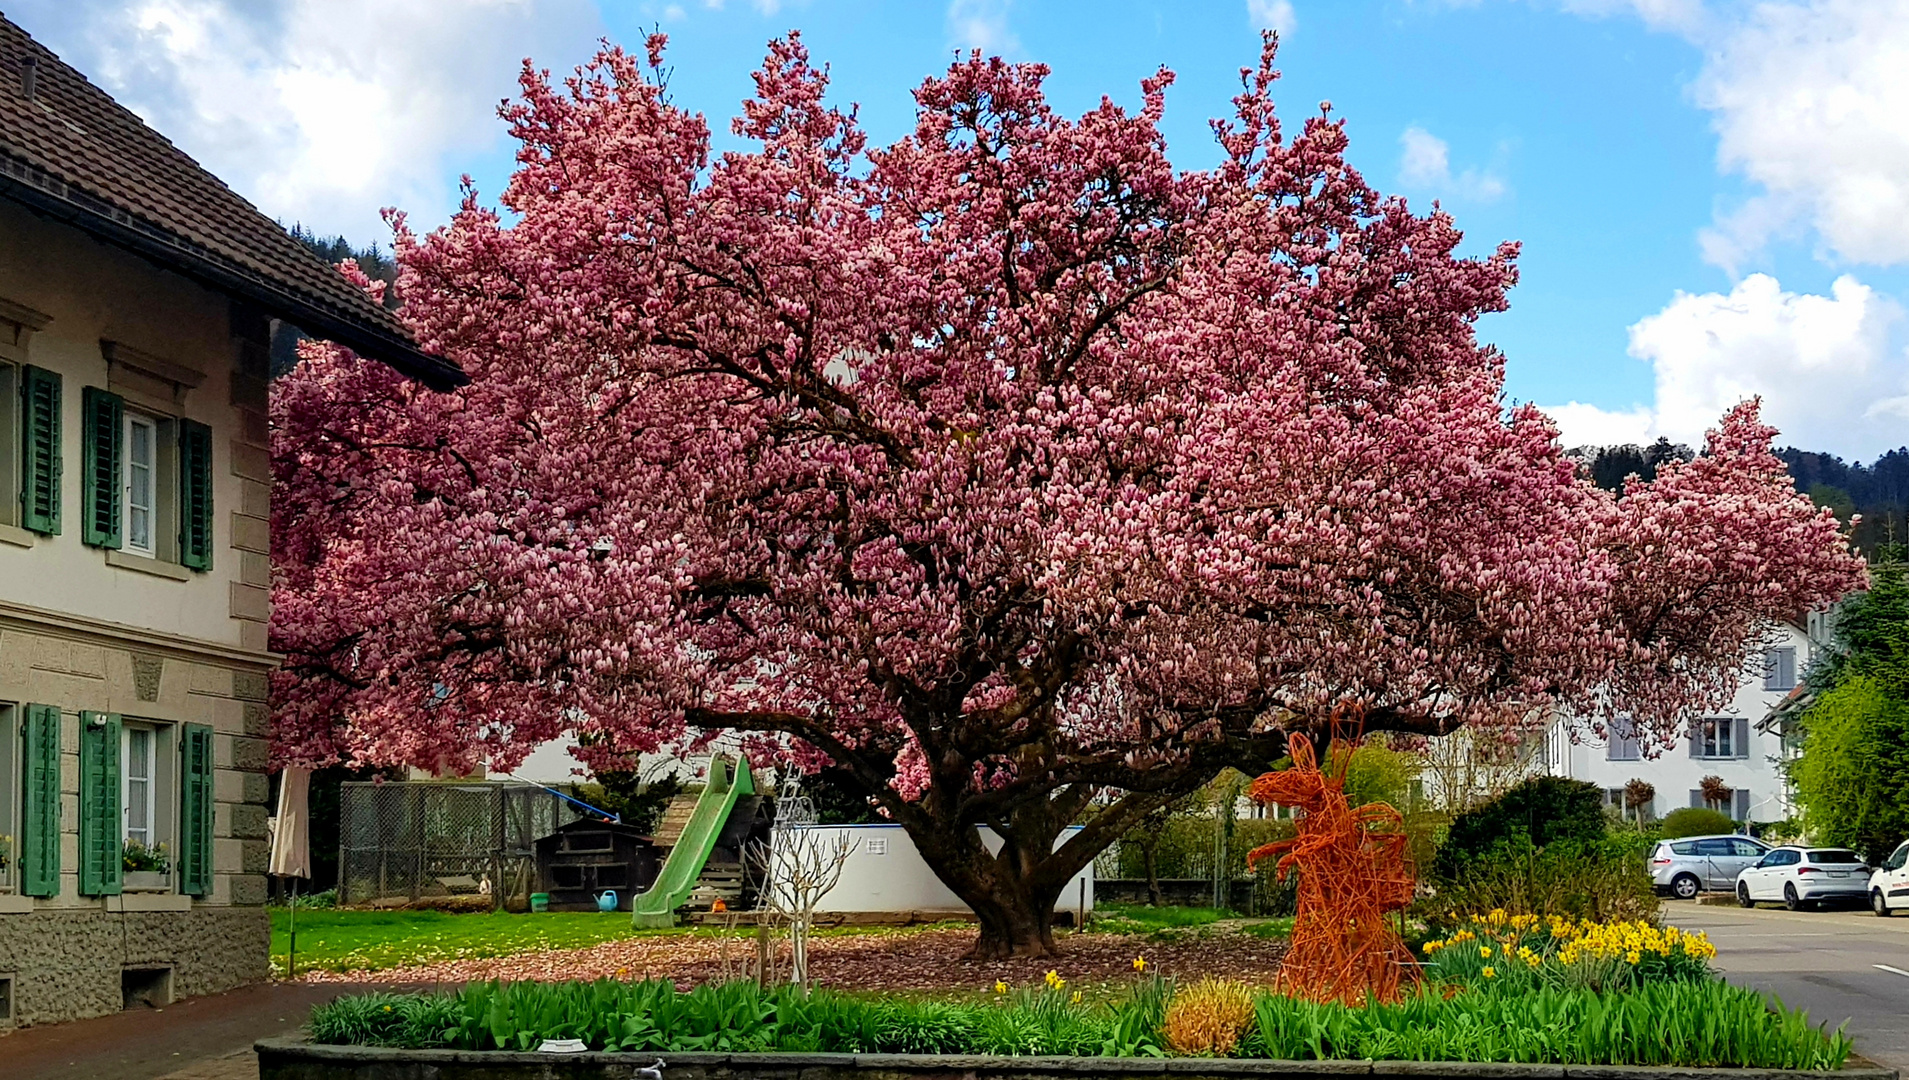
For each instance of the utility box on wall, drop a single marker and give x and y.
(586, 858)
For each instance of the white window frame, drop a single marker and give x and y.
(12, 792)
(134, 420)
(1718, 740)
(127, 734)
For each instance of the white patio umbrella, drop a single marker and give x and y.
(291, 846)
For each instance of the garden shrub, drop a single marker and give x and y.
(1206, 1019)
(1695, 821)
(1542, 810)
(1601, 879)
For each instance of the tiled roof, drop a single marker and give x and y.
(72, 153)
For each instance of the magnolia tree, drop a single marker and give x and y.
(1026, 478)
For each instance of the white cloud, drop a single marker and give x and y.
(982, 24)
(1272, 15)
(1425, 163)
(322, 111)
(1811, 103)
(1825, 367)
(1678, 16)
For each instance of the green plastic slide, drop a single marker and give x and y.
(657, 907)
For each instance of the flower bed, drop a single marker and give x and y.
(1693, 1024)
(1524, 952)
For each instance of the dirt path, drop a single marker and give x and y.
(930, 958)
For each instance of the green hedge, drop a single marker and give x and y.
(1685, 1024)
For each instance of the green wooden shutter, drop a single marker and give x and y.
(40, 450)
(102, 420)
(195, 495)
(39, 849)
(195, 811)
(100, 825)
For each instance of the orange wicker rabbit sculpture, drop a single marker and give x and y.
(1350, 876)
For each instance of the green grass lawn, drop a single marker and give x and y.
(375, 940)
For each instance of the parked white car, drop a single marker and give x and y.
(1889, 885)
(1804, 877)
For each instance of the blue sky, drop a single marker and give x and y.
(1713, 197)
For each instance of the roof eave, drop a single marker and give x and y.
(370, 342)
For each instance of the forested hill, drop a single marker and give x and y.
(374, 261)
(1879, 491)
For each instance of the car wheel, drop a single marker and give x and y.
(1790, 900)
(1879, 904)
(1685, 886)
(1743, 896)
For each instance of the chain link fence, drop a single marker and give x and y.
(404, 841)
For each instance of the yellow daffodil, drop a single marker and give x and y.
(1488, 972)
(1140, 963)
(1077, 997)
(1000, 987)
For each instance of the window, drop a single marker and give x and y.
(136, 753)
(142, 442)
(1719, 848)
(144, 843)
(1748, 849)
(146, 482)
(1720, 737)
(1779, 668)
(1835, 857)
(1621, 742)
(10, 800)
(9, 445)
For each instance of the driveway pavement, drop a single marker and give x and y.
(1840, 965)
(203, 1038)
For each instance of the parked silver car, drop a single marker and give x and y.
(1689, 865)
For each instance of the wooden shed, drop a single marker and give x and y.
(581, 860)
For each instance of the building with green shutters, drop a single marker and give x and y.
(138, 297)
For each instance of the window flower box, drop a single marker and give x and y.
(147, 881)
(145, 869)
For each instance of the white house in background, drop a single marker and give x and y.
(1726, 744)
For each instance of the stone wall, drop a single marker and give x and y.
(66, 964)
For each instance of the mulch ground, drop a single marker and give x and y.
(930, 958)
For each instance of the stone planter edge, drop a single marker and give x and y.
(297, 1059)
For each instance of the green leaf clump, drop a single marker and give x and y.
(1690, 1024)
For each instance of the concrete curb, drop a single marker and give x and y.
(296, 1059)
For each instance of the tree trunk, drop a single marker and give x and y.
(1012, 893)
(1152, 861)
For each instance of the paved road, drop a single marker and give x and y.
(1833, 963)
(203, 1038)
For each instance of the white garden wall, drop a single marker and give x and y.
(885, 873)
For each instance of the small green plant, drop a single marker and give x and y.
(138, 857)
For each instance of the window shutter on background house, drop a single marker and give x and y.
(1696, 798)
(100, 866)
(195, 495)
(40, 450)
(1697, 739)
(195, 811)
(39, 849)
(102, 415)
(1743, 804)
(1741, 744)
